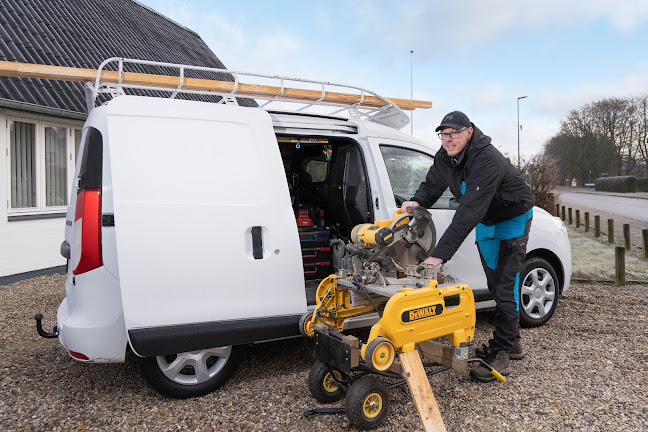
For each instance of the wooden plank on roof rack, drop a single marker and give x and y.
(62, 73)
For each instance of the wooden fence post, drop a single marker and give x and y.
(586, 221)
(626, 236)
(597, 226)
(610, 230)
(577, 218)
(563, 213)
(644, 242)
(619, 263)
(558, 210)
(571, 221)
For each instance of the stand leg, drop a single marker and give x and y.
(421, 392)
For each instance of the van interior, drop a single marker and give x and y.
(327, 178)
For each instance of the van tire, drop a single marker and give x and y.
(175, 375)
(539, 292)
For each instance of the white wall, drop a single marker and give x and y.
(25, 245)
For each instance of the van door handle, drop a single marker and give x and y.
(257, 242)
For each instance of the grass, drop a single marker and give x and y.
(593, 258)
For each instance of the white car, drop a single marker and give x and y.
(182, 234)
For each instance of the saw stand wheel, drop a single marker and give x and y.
(322, 383)
(380, 354)
(306, 325)
(367, 402)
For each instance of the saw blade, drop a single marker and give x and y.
(412, 252)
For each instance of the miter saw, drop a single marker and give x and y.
(386, 260)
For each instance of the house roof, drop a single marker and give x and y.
(83, 33)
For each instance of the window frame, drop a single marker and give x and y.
(40, 123)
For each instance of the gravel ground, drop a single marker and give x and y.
(586, 370)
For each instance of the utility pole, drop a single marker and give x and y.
(518, 126)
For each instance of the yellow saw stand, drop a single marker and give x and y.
(414, 311)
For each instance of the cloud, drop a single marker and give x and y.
(436, 27)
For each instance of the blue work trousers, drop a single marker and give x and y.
(502, 248)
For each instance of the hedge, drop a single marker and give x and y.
(616, 184)
(642, 184)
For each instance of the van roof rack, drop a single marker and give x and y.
(362, 103)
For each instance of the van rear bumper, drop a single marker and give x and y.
(150, 342)
(90, 319)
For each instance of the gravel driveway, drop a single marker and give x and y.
(587, 369)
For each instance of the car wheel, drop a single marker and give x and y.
(539, 288)
(191, 374)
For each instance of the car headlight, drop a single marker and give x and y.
(560, 224)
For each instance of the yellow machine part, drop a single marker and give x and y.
(333, 306)
(379, 233)
(371, 235)
(416, 315)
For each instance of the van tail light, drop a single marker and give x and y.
(78, 356)
(88, 214)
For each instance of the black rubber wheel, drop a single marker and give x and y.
(191, 374)
(539, 292)
(380, 354)
(306, 323)
(367, 402)
(322, 385)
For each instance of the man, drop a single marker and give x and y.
(495, 199)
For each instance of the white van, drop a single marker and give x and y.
(182, 238)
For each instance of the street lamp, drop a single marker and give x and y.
(518, 113)
(412, 88)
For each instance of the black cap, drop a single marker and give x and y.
(454, 120)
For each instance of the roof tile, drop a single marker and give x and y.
(83, 33)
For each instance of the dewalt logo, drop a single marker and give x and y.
(403, 221)
(422, 313)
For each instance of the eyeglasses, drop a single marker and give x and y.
(454, 134)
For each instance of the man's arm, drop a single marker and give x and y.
(484, 179)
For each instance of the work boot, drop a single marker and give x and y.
(500, 362)
(515, 353)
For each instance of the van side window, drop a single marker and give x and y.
(406, 169)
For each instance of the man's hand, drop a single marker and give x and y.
(409, 204)
(433, 260)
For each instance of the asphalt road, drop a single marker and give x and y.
(634, 208)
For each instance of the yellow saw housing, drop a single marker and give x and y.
(417, 315)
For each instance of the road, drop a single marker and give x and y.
(634, 208)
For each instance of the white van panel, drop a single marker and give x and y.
(183, 220)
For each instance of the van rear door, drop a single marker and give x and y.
(208, 249)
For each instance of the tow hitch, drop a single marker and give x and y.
(43, 333)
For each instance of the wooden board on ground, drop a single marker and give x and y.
(28, 70)
(421, 392)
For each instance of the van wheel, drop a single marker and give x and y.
(191, 374)
(539, 288)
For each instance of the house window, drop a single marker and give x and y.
(56, 190)
(41, 158)
(23, 164)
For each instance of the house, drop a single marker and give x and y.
(41, 120)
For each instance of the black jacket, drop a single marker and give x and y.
(494, 192)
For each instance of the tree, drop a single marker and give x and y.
(542, 175)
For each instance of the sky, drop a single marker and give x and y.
(475, 56)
